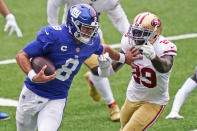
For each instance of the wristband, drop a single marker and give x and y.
(122, 58)
(31, 74)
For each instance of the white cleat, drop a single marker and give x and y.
(174, 115)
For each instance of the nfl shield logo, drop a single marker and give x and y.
(77, 50)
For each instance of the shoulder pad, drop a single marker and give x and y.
(125, 43)
(166, 47)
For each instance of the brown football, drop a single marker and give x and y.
(38, 62)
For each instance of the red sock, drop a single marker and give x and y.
(114, 103)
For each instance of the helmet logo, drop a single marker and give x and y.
(156, 22)
(75, 12)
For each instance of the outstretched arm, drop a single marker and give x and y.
(121, 57)
(107, 69)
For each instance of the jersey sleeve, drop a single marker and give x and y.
(99, 50)
(166, 48)
(99, 46)
(125, 43)
(39, 46)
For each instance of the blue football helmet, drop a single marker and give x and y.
(83, 23)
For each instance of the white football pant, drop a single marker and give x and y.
(182, 94)
(35, 112)
(103, 87)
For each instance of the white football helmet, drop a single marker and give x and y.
(145, 27)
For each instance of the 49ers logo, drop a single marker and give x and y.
(156, 22)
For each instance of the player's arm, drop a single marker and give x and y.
(163, 64)
(127, 57)
(106, 68)
(23, 61)
(33, 49)
(3, 9)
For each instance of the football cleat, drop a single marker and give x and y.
(4, 116)
(93, 91)
(114, 112)
(174, 115)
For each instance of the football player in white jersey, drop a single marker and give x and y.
(147, 93)
(117, 16)
(187, 88)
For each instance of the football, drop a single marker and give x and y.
(38, 62)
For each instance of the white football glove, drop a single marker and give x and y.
(147, 50)
(104, 61)
(11, 22)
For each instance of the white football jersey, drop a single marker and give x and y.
(112, 8)
(99, 5)
(147, 84)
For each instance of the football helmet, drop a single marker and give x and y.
(83, 23)
(145, 27)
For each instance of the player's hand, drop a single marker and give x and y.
(148, 50)
(104, 61)
(41, 77)
(11, 23)
(132, 55)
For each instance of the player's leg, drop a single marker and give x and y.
(50, 117)
(93, 91)
(27, 110)
(126, 112)
(144, 117)
(189, 85)
(103, 86)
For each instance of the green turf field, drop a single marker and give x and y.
(82, 114)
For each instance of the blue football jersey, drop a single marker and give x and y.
(58, 45)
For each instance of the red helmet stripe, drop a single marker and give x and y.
(93, 10)
(143, 18)
(137, 18)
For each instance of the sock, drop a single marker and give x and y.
(103, 87)
(114, 103)
(182, 94)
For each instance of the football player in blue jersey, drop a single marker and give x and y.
(99, 86)
(43, 98)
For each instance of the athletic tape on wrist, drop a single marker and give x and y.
(122, 58)
(31, 74)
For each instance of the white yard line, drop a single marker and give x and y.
(9, 61)
(10, 102)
